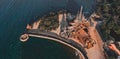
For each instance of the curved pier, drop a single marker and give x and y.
(55, 37)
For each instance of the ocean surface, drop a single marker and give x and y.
(15, 14)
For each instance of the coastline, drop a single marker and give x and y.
(81, 35)
(52, 36)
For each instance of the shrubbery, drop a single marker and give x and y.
(109, 10)
(49, 23)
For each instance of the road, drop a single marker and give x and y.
(97, 51)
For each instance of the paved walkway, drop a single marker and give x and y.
(97, 51)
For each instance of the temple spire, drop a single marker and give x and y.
(80, 14)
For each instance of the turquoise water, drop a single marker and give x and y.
(15, 14)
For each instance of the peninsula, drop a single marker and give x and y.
(76, 31)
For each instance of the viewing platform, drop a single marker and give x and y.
(24, 37)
